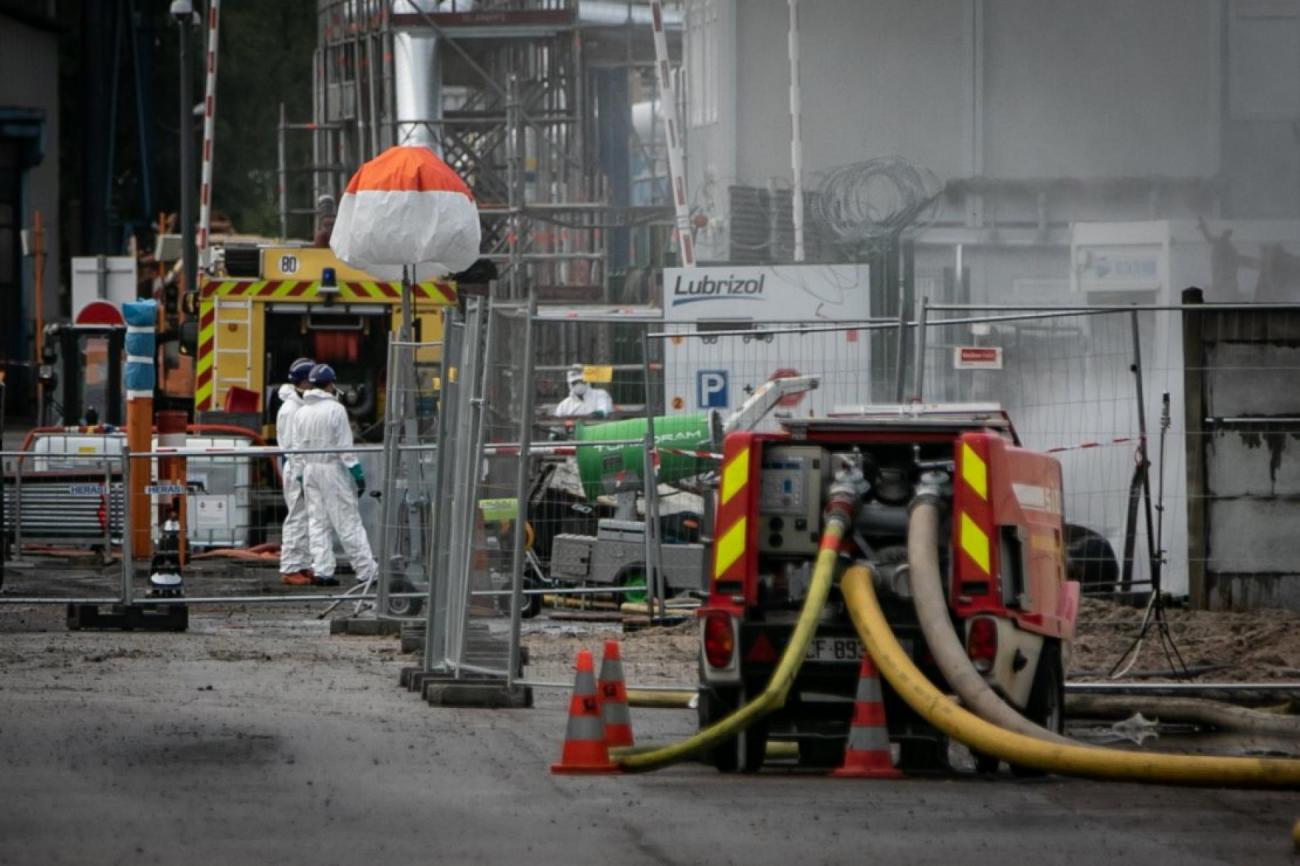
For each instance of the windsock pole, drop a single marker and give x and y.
(141, 327)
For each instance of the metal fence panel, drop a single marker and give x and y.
(64, 516)
(405, 550)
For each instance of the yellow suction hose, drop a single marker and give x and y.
(773, 695)
(1074, 760)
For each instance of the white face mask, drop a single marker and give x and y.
(577, 389)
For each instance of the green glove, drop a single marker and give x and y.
(359, 477)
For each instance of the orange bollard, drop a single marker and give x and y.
(584, 740)
(866, 755)
(613, 698)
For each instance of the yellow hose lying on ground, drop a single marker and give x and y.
(773, 696)
(921, 695)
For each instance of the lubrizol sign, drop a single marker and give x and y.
(977, 358)
(772, 293)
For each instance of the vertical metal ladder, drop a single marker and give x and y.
(239, 313)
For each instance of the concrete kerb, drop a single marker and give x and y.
(358, 626)
(483, 694)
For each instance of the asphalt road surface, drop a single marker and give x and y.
(261, 739)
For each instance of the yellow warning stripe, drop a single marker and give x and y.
(734, 475)
(974, 542)
(728, 548)
(202, 394)
(371, 290)
(974, 471)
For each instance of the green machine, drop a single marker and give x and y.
(608, 469)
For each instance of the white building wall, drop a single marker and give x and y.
(1107, 88)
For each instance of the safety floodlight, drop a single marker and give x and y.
(328, 289)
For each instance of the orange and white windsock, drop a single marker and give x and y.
(407, 207)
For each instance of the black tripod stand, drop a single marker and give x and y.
(1140, 487)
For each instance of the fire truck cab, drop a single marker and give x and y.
(999, 549)
(273, 304)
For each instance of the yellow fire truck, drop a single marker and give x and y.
(277, 303)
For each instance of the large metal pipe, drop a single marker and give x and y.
(417, 78)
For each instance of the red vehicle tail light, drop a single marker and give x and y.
(719, 640)
(982, 643)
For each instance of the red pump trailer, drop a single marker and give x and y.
(1001, 554)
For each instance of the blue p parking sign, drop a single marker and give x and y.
(711, 389)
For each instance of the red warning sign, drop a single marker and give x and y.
(789, 400)
(977, 358)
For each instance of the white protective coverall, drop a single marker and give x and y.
(330, 491)
(584, 401)
(299, 534)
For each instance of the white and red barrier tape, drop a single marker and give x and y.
(1101, 443)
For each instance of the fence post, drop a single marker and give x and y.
(391, 441)
(521, 494)
(900, 358)
(469, 445)
(1153, 552)
(653, 574)
(439, 556)
(1194, 434)
(918, 367)
(127, 563)
(108, 507)
(18, 509)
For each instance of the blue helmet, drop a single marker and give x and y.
(321, 374)
(300, 369)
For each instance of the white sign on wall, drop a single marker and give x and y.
(1120, 268)
(775, 321)
(771, 293)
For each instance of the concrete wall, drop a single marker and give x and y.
(1244, 472)
(29, 78)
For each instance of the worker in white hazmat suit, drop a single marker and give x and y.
(332, 479)
(583, 400)
(295, 544)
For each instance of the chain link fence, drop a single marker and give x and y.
(1172, 425)
(410, 472)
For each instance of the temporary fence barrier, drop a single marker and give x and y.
(410, 468)
(62, 519)
(586, 510)
(1171, 423)
(480, 541)
(226, 503)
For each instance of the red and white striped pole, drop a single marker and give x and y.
(209, 122)
(673, 134)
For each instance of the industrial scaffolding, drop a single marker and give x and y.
(540, 105)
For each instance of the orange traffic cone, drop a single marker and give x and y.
(613, 698)
(584, 741)
(866, 755)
